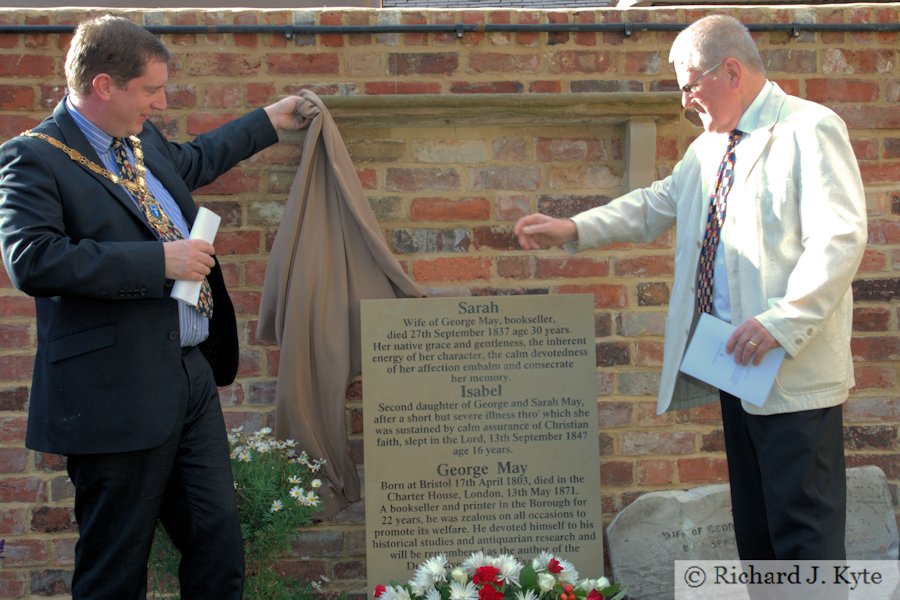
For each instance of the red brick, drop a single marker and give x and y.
(249, 365)
(245, 303)
(423, 63)
(15, 336)
(871, 319)
(16, 306)
(492, 87)
(402, 87)
(649, 354)
(656, 472)
(616, 472)
(235, 181)
(884, 172)
(702, 470)
(613, 414)
(657, 442)
(507, 178)
(22, 489)
(432, 179)
(16, 367)
(545, 87)
(13, 460)
(244, 242)
(874, 377)
(577, 267)
(12, 583)
(612, 354)
(240, 64)
(451, 269)
(13, 398)
(842, 90)
(605, 295)
(875, 437)
(652, 294)
(259, 94)
(495, 238)
(644, 266)
(445, 209)
(13, 125)
(874, 261)
(875, 348)
(497, 62)
(198, 123)
(13, 521)
(321, 63)
(49, 519)
(567, 149)
(580, 61)
(28, 65)
(840, 61)
(514, 267)
(16, 97)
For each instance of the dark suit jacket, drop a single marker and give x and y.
(107, 373)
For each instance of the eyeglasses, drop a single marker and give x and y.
(688, 88)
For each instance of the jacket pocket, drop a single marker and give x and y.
(81, 342)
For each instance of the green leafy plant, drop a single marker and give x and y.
(483, 577)
(276, 490)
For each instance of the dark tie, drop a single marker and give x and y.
(715, 217)
(156, 216)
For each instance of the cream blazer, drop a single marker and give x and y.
(794, 237)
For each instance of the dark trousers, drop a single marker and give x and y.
(788, 482)
(186, 483)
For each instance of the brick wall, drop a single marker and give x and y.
(447, 193)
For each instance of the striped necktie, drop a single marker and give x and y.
(715, 217)
(156, 216)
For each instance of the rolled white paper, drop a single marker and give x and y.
(205, 227)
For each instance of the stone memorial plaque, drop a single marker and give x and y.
(480, 419)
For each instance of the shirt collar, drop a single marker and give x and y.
(99, 139)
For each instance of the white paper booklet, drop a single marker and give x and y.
(707, 360)
(206, 224)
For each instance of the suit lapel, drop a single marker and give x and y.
(752, 147)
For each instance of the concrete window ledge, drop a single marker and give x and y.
(638, 113)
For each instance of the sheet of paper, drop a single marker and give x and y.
(707, 360)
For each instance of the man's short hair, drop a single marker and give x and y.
(111, 45)
(711, 40)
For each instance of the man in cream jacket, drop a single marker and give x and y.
(792, 238)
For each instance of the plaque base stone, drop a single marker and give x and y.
(647, 537)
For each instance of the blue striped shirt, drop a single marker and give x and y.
(194, 326)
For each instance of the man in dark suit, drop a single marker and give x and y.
(125, 377)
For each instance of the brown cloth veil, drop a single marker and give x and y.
(328, 254)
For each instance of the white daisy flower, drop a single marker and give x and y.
(569, 574)
(435, 568)
(296, 492)
(316, 483)
(276, 506)
(509, 568)
(463, 591)
(475, 560)
(309, 499)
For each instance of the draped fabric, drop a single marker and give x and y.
(328, 254)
